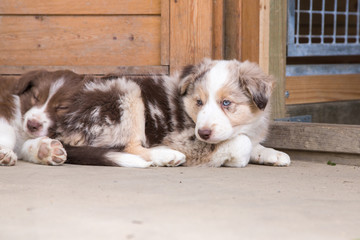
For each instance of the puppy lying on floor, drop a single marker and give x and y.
(212, 114)
(29, 107)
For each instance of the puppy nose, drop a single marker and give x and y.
(204, 133)
(33, 125)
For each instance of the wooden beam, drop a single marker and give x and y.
(277, 54)
(165, 32)
(324, 88)
(218, 29)
(97, 70)
(335, 138)
(264, 35)
(80, 7)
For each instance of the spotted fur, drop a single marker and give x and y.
(214, 113)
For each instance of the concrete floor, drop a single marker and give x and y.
(304, 201)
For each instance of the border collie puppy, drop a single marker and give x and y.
(215, 113)
(29, 107)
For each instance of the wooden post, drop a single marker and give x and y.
(277, 54)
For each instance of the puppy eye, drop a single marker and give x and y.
(226, 103)
(199, 102)
(35, 97)
(59, 108)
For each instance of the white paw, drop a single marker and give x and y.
(164, 157)
(269, 156)
(7, 157)
(51, 152)
(127, 160)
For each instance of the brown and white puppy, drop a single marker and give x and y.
(29, 107)
(214, 114)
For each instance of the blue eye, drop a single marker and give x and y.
(226, 103)
(199, 102)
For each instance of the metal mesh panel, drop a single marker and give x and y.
(323, 27)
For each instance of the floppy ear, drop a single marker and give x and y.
(187, 77)
(191, 73)
(27, 81)
(254, 81)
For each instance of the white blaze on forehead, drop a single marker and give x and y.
(217, 77)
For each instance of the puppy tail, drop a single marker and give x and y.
(86, 155)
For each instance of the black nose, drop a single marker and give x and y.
(33, 125)
(204, 133)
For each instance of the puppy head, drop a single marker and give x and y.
(42, 102)
(221, 97)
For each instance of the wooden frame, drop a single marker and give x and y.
(324, 88)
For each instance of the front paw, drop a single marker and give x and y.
(51, 152)
(163, 157)
(7, 157)
(272, 157)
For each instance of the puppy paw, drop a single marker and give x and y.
(7, 157)
(51, 152)
(269, 156)
(163, 157)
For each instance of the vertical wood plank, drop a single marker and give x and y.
(190, 32)
(165, 32)
(250, 16)
(218, 29)
(232, 29)
(264, 35)
(277, 54)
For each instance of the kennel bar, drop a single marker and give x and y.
(303, 42)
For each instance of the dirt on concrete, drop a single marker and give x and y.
(304, 201)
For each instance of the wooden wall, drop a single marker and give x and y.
(88, 36)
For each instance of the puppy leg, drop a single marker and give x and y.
(7, 144)
(43, 150)
(165, 157)
(233, 153)
(269, 156)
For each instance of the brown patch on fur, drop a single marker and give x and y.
(7, 104)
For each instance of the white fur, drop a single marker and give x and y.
(211, 116)
(127, 160)
(269, 156)
(163, 156)
(232, 153)
(31, 148)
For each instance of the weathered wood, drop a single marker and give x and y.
(324, 88)
(264, 35)
(80, 7)
(250, 16)
(324, 157)
(97, 70)
(80, 40)
(165, 32)
(218, 29)
(232, 29)
(190, 32)
(242, 30)
(334, 138)
(277, 54)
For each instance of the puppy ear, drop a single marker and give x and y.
(27, 81)
(254, 81)
(187, 77)
(191, 73)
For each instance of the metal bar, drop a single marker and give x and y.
(310, 21)
(335, 21)
(321, 69)
(291, 22)
(322, 21)
(347, 21)
(358, 23)
(298, 22)
(301, 50)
